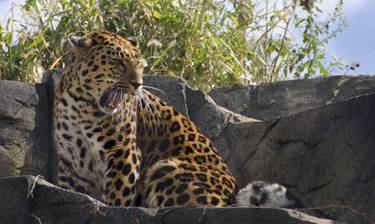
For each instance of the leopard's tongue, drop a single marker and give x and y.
(111, 99)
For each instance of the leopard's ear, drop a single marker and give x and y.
(133, 41)
(82, 42)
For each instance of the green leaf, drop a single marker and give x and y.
(234, 20)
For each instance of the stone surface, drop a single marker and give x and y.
(170, 89)
(24, 129)
(325, 156)
(271, 100)
(317, 138)
(33, 200)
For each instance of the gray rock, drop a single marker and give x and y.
(216, 118)
(24, 129)
(325, 155)
(170, 89)
(33, 200)
(271, 100)
(317, 139)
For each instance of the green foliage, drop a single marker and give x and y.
(207, 42)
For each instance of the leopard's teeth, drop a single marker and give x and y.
(111, 99)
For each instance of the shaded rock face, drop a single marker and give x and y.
(25, 146)
(314, 136)
(267, 101)
(325, 155)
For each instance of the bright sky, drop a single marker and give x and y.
(5, 6)
(355, 44)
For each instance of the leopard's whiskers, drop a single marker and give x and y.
(154, 88)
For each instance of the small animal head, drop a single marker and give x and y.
(259, 193)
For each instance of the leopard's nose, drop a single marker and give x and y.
(135, 84)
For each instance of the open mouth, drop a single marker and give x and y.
(112, 98)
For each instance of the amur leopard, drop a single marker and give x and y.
(117, 141)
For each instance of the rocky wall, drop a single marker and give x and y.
(314, 136)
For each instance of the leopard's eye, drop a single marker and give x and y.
(119, 62)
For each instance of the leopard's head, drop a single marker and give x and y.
(108, 67)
